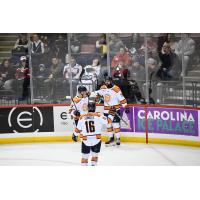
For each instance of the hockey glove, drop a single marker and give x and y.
(74, 138)
(112, 111)
(77, 113)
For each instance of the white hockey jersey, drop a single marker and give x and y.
(81, 105)
(90, 127)
(112, 97)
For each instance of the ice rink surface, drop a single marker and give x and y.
(128, 154)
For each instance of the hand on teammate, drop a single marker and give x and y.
(77, 113)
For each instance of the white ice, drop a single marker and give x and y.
(128, 154)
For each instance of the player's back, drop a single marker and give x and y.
(112, 97)
(91, 123)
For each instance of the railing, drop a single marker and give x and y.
(162, 92)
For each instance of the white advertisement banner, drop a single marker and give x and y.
(62, 119)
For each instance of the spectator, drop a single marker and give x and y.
(48, 52)
(76, 69)
(152, 68)
(187, 46)
(92, 72)
(39, 76)
(42, 72)
(120, 71)
(37, 46)
(115, 44)
(72, 70)
(101, 46)
(170, 64)
(23, 78)
(151, 47)
(37, 50)
(46, 44)
(60, 47)
(169, 38)
(21, 45)
(162, 38)
(55, 72)
(138, 71)
(94, 69)
(172, 40)
(136, 42)
(120, 56)
(75, 44)
(7, 75)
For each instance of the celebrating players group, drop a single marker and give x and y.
(89, 122)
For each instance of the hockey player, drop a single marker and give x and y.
(113, 100)
(89, 127)
(79, 104)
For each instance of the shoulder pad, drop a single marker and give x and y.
(81, 117)
(116, 89)
(76, 99)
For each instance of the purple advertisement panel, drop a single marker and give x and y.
(128, 118)
(167, 121)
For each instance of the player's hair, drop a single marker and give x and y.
(82, 89)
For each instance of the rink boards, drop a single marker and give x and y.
(49, 123)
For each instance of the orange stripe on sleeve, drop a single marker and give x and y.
(116, 89)
(123, 101)
(77, 130)
(76, 99)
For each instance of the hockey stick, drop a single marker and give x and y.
(69, 97)
(74, 104)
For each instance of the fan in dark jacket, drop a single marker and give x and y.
(7, 75)
(170, 68)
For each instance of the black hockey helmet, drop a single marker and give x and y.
(91, 106)
(82, 89)
(108, 78)
(108, 81)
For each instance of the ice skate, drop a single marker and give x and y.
(118, 142)
(110, 142)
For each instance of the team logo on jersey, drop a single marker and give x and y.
(85, 107)
(107, 97)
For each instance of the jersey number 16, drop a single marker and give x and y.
(90, 126)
